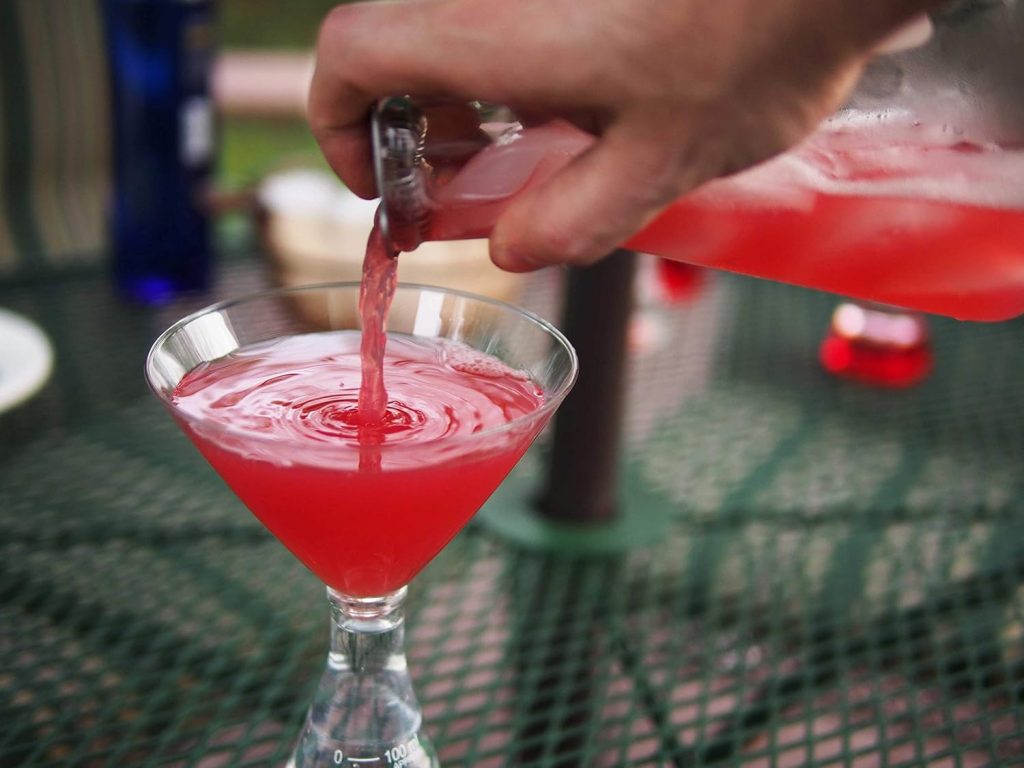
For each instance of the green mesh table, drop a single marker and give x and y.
(839, 580)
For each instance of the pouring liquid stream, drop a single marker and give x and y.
(376, 293)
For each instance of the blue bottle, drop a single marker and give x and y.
(160, 59)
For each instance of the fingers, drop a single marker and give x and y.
(912, 34)
(341, 93)
(366, 51)
(595, 203)
(347, 151)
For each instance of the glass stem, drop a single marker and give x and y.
(364, 711)
(367, 633)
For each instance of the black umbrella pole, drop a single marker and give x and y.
(582, 479)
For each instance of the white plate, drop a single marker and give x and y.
(26, 359)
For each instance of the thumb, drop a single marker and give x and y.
(600, 199)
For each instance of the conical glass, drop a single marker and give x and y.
(366, 532)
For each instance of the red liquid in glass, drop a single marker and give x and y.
(358, 451)
(280, 422)
(902, 215)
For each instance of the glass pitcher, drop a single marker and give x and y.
(911, 195)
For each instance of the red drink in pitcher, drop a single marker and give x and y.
(904, 215)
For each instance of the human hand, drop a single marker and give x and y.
(677, 93)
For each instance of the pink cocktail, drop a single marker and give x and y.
(279, 422)
(269, 389)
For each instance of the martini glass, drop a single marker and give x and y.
(365, 528)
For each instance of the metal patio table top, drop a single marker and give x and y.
(835, 576)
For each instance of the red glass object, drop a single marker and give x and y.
(680, 282)
(877, 346)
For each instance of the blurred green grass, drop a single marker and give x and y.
(271, 24)
(251, 147)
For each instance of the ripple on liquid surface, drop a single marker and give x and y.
(306, 388)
